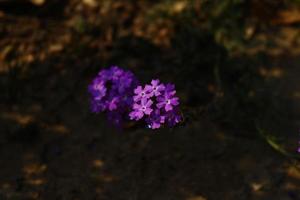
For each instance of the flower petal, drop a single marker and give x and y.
(136, 106)
(168, 107)
(149, 103)
(148, 88)
(148, 111)
(160, 105)
(138, 90)
(155, 82)
(144, 101)
(175, 101)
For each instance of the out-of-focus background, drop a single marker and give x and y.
(236, 66)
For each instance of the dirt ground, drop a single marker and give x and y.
(242, 110)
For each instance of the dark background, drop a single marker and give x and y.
(236, 68)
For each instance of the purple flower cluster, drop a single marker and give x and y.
(157, 104)
(117, 93)
(111, 92)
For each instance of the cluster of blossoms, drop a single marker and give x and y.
(111, 92)
(117, 93)
(156, 104)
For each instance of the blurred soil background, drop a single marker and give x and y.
(236, 67)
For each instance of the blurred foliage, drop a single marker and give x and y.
(223, 19)
(295, 1)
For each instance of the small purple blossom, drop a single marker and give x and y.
(167, 101)
(173, 118)
(141, 93)
(170, 88)
(156, 120)
(144, 108)
(113, 103)
(164, 106)
(155, 88)
(111, 91)
(97, 89)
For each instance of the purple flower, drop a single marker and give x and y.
(163, 101)
(97, 106)
(124, 82)
(155, 88)
(113, 103)
(141, 109)
(168, 101)
(116, 72)
(155, 120)
(117, 93)
(173, 118)
(111, 91)
(170, 87)
(113, 73)
(97, 89)
(140, 93)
